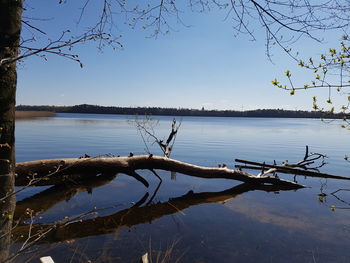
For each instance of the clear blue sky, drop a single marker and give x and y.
(200, 65)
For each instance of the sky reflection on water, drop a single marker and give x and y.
(255, 226)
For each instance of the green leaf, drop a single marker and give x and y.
(275, 82)
(288, 74)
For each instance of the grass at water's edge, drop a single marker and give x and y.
(20, 115)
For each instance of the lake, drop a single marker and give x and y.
(189, 219)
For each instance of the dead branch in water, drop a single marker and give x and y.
(75, 168)
(305, 167)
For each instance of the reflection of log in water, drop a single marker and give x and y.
(44, 200)
(135, 215)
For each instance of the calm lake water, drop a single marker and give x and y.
(228, 223)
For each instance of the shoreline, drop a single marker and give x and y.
(24, 115)
(157, 111)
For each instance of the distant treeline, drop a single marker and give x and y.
(271, 113)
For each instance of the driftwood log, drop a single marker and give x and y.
(56, 171)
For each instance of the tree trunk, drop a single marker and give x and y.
(56, 171)
(10, 27)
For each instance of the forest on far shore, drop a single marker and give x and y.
(96, 109)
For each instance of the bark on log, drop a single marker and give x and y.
(62, 169)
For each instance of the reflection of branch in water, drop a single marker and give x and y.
(35, 234)
(142, 200)
(337, 197)
(322, 198)
(55, 194)
(157, 188)
(322, 195)
(138, 215)
(154, 193)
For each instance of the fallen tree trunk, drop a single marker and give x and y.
(57, 171)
